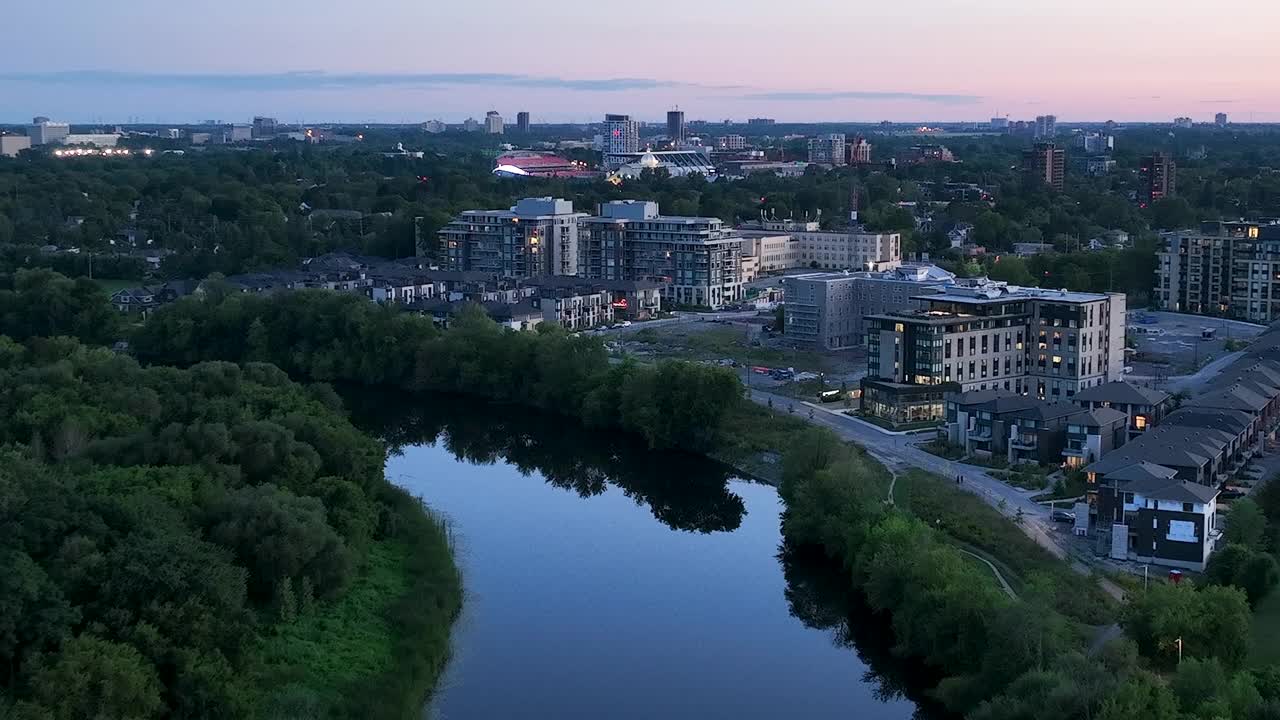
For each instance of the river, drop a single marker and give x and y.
(607, 581)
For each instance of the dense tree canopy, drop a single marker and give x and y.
(145, 543)
(334, 337)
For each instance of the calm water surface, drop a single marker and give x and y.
(606, 581)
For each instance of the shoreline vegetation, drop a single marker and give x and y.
(998, 657)
(215, 541)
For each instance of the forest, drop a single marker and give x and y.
(334, 337)
(173, 539)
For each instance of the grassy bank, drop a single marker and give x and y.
(968, 519)
(755, 439)
(378, 651)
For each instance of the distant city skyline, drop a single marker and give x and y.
(408, 62)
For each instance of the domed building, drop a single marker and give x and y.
(678, 163)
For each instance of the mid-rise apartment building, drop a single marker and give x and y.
(621, 139)
(539, 236)
(675, 127)
(859, 151)
(1049, 344)
(827, 311)
(1159, 177)
(1223, 268)
(1046, 126)
(827, 149)
(1045, 164)
(698, 257)
(493, 123)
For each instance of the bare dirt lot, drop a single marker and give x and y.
(742, 342)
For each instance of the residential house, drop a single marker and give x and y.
(1092, 434)
(142, 300)
(630, 299)
(1023, 429)
(1144, 408)
(576, 308)
(1152, 515)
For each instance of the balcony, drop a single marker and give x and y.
(1024, 442)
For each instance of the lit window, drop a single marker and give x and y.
(1140, 422)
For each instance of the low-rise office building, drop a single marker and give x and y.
(827, 311)
(11, 145)
(773, 252)
(848, 249)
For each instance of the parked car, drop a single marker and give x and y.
(1231, 493)
(1062, 516)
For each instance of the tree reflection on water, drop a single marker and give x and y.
(685, 492)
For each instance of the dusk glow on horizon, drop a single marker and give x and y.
(801, 61)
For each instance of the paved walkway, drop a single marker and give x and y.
(1004, 584)
(1193, 382)
(899, 453)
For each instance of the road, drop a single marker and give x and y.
(899, 453)
(680, 319)
(1191, 383)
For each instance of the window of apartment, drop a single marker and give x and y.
(947, 351)
(1126, 498)
(1188, 507)
(985, 347)
(973, 344)
(972, 374)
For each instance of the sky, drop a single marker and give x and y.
(574, 60)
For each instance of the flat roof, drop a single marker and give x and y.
(1001, 293)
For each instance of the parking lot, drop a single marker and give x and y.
(1171, 344)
